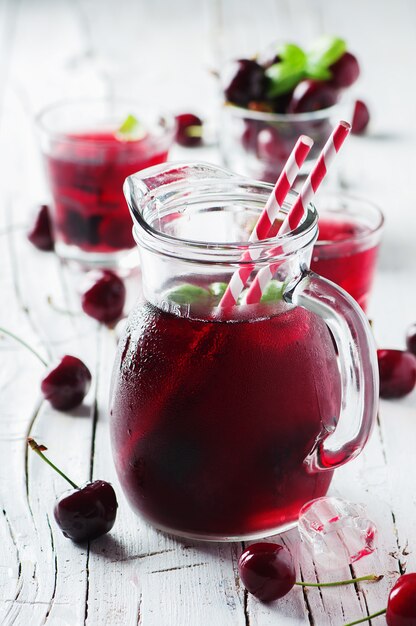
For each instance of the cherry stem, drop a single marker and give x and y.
(338, 583)
(194, 131)
(23, 343)
(60, 310)
(367, 619)
(39, 449)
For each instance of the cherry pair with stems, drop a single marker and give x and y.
(267, 571)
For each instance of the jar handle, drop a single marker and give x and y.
(358, 367)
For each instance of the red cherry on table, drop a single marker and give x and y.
(40, 233)
(267, 571)
(103, 296)
(66, 384)
(397, 373)
(87, 513)
(312, 95)
(411, 339)
(83, 513)
(401, 605)
(188, 130)
(345, 71)
(360, 117)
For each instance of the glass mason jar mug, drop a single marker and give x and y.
(224, 422)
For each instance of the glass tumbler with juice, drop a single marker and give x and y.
(89, 148)
(346, 251)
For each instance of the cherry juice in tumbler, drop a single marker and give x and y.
(89, 151)
(346, 251)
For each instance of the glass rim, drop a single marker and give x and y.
(266, 116)
(370, 232)
(289, 243)
(163, 120)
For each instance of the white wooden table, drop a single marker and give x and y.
(136, 575)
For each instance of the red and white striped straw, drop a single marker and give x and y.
(267, 218)
(299, 209)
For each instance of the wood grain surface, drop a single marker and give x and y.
(167, 51)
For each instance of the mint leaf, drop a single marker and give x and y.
(218, 289)
(189, 294)
(326, 51)
(317, 72)
(273, 291)
(282, 79)
(291, 54)
(288, 72)
(131, 129)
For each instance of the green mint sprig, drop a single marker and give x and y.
(325, 51)
(194, 295)
(189, 294)
(273, 292)
(289, 70)
(131, 129)
(218, 289)
(295, 64)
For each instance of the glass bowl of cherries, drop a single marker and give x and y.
(272, 99)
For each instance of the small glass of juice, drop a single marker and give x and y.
(89, 148)
(350, 230)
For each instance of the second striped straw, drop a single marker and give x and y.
(299, 209)
(268, 215)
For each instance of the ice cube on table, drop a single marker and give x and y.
(337, 532)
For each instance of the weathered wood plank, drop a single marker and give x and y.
(137, 575)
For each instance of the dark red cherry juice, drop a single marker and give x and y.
(212, 421)
(344, 256)
(86, 173)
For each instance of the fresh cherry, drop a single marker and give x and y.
(87, 513)
(397, 373)
(66, 384)
(401, 605)
(103, 296)
(312, 95)
(188, 130)
(360, 117)
(249, 134)
(411, 339)
(40, 233)
(246, 82)
(271, 147)
(83, 514)
(345, 71)
(268, 572)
